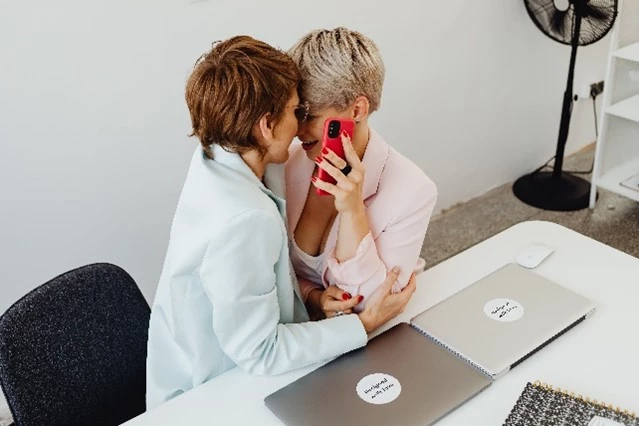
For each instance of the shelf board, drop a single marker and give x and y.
(628, 109)
(630, 52)
(612, 179)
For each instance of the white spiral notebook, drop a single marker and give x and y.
(502, 319)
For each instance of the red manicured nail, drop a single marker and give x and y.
(318, 160)
(314, 178)
(324, 150)
(360, 298)
(346, 296)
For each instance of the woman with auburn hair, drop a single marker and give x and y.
(376, 214)
(226, 294)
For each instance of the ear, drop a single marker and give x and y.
(266, 126)
(360, 108)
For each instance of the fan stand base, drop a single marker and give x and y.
(567, 193)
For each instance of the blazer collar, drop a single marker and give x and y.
(273, 184)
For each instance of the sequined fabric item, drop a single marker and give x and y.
(544, 405)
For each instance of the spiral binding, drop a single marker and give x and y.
(458, 354)
(587, 400)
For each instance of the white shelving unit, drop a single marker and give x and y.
(628, 108)
(616, 166)
(630, 53)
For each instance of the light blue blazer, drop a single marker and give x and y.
(227, 295)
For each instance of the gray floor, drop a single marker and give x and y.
(614, 221)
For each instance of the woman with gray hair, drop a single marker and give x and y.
(378, 210)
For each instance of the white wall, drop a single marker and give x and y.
(93, 146)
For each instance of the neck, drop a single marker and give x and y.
(256, 162)
(362, 136)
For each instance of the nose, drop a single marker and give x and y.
(301, 129)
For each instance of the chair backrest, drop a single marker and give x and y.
(73, 351)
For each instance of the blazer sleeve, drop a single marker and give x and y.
(399, 244)
(238, 274)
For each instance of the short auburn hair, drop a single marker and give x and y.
(232, 86)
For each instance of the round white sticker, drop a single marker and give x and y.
(378, 388)
(504, 310)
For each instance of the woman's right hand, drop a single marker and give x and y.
(348, 187)
(331, 301)
(383, 305)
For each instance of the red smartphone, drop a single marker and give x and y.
(331, 139)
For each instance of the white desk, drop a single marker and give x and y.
(599, 358)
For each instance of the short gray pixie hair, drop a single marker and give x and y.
(336, 67)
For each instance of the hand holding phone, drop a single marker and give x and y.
(331, 139)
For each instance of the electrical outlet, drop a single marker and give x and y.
(596, 89)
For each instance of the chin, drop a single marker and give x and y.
(314, 153)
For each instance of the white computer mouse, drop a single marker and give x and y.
(532, 255)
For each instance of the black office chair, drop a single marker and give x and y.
(73, 351)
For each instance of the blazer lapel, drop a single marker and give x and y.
(299, 170)
(374, 159)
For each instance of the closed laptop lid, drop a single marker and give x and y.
(503, 318)
(400, 378)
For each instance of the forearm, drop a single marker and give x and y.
(277, 348)
(399, 244)
(353, 227)
(352, 275)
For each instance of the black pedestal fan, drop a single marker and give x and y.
(575, 23)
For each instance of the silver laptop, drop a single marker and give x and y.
(504, 318)
(399, 378)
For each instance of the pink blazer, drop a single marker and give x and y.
(399, 200)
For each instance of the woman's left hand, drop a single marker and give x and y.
(348, 188)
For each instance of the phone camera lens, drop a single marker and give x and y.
(333, 128)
